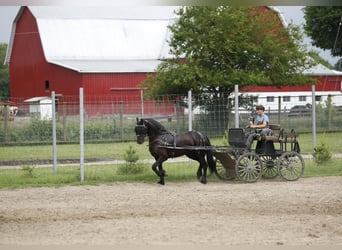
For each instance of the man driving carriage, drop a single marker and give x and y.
(260, 126)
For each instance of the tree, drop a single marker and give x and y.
(338, 65)
(318, 59)
(4, 78)
(323, 26)
(218, 47)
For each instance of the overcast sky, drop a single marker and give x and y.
(291, 13)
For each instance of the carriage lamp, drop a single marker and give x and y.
(251, 120)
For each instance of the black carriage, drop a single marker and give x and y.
(277, 154)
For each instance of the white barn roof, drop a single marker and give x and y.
(103, 39)
(321, 70)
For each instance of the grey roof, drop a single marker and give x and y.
(321, 70)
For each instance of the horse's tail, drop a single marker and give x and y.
(210, 157)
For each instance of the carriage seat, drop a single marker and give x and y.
(280, 135)
(236, 137)
(277, 133)
(289, 137)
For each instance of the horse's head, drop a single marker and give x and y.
(141, 131)
(148, 127)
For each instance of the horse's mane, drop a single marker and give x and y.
(157, 126)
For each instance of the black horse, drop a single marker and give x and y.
(164, 144)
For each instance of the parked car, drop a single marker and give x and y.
(300, 110)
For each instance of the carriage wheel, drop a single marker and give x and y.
(225, 166)
(269, 166)
(248, 167)
(291, 166)
(223, 172)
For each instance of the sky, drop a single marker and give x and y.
(291, 13)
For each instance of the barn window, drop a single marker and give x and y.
(47, 85)
(286, 98)
(270, 98)
(318, 98)
(302, 98)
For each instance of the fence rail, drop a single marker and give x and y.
(113, 120)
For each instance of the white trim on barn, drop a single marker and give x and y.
(291, 99)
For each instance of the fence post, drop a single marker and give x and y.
(314, 116)
(6, 117)
(142, 102)
(190, 109)
(279, 108)
(121, 120)
(54, 136)
(81, 135)
(236, 104)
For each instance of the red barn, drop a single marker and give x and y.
(108, 51)
(105, 50)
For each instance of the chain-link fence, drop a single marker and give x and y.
(26, 121)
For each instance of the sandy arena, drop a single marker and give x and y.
(304, 212)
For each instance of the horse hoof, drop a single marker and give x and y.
(203, 181)
(161, 182)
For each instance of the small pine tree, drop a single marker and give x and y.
(29, 170)
(322, 154)
(131, 156)
(131, 166)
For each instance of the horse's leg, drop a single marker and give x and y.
(203, 179)
(203, 165)
(195, 155)
(159, 172)
(199, 172)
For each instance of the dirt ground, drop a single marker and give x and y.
(305, 212)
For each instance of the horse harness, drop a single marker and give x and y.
(163, 140)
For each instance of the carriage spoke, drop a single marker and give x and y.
(249, 167)
(291, 166)
(269, 166)
(225, 166)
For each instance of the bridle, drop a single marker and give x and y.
(141, 132)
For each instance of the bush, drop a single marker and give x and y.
(131, 166)
(29, 170)
(322, 154)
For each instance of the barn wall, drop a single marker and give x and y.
(100, 84)
(29, 70)
(112, 93)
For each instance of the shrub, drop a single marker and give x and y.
(131, 167)
(322, 154)
(29, 170)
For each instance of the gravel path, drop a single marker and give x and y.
(304, 212)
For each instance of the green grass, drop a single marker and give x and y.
(94, 174)
(72, 151)
(117, 150)
(331, 168)
(332, 140)
(107, 174)
(101, 174)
